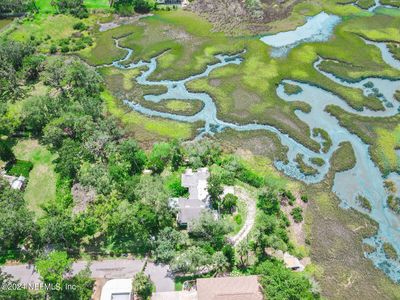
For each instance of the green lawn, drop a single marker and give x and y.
(45, 6)
(97, 4)
(41, 186)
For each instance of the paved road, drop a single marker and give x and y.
(108, 269)
(250, 217)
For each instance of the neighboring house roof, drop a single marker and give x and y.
(229, 288)
(117, 289)
(18, 183)
(292, 262)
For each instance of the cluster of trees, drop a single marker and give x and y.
(126, 6)
(142, 286)
(73, 7)
(271, 224)
(11, 7)
(203, 249)
(278, 282)
(19, 67)
(55, 272)
(18, 230)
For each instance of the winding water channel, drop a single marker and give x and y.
(364, 179)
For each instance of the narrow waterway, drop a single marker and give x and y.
(364, 179)
(318, 28)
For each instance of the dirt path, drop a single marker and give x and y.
(250, 217)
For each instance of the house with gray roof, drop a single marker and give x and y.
(189, 209)
(16, 183)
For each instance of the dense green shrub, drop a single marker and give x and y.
(250, 177)
(73, 7)
(79, 26)
(278, 282)
(297, 214)
(304, 198)
(19, 167)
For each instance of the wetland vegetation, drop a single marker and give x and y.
(88, 135)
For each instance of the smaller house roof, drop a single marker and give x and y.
(229, 288)
(18, 183)
(292, 262)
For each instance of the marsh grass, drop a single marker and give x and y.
(175, 106)
(147, 130)
(383, 134)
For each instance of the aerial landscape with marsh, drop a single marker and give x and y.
(168, 149)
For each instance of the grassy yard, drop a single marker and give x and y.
(41, 186)
(45, 6)
(97, 4)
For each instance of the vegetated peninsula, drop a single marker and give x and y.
(199, 149)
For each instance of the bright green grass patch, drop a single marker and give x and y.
(57, 27)
(181, 107)
(147, 129)
(238, 218)
(97, 4)
(47, 30)
(45, 6)
(41, 186)
(385, 150)
(377, 27)
(19, 168)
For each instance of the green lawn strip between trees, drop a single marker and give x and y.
(41, 187)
